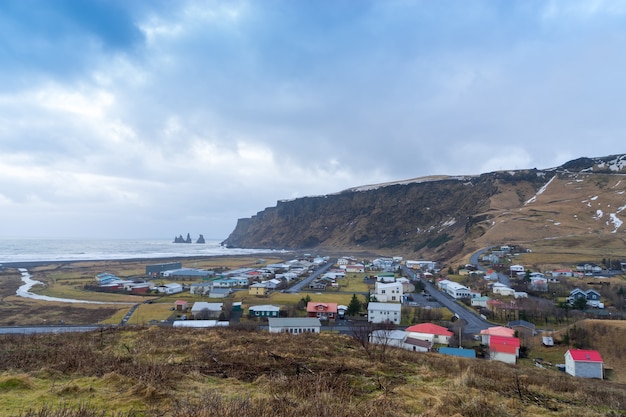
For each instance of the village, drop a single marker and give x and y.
(392, 302)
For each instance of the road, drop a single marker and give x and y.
(474, 259)
(306, 281)
(474, 322)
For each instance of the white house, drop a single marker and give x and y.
(480, 301)
(294, 325)
(584, 363)
(399, 338)
(504, 349)
(265, 310)
(200, 323)
(516, 268)
(200, 308)
(407, 285)
(502, 290)
(454, 289)
(170, 288)
(388, 292)
(381, 312)
(355, 268)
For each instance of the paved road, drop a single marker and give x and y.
(474, 259)
(306, 281)
(474, 322)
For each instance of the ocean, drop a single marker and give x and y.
(23, 250)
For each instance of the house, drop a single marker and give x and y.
(156, 269)
(388, 292)
(180, 305)
(388, 337)
(592, 297)
(294, 325)
(317, 285)
(589, 268)
(430, 332)
(220, 292)
(399, 338)
(200, 288)
(522, 327)
(480, 301)
(491, 275)
(407, 285)
(502, 290)
(459, 352)
(562, 273)
(323, 311)
(204, 310)
(170, 288)
(200, 323)
(187, 273)
(584, 363)
(355, 268)
(504, 349)
(454, 289)
(516, 268)
(258, 289)
(264, 311)
(383, 312)
(386, 277)
(417, 345)
(495, 331)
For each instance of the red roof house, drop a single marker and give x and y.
(430, 332)
(495, 331)
(504, 349)
(323, 311)
(584, 363)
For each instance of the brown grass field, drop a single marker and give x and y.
(228, 372)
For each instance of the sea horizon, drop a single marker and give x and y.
(46, 249)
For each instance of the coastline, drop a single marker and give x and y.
(156, 260)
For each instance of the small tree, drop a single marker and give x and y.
(580, 303)
(354, 307)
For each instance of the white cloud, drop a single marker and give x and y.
(220, 109)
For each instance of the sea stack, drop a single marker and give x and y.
(200, 239)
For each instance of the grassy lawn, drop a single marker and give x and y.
(73, 292)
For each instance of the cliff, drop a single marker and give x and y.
(444, 216)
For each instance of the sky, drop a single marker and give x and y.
(150, 119)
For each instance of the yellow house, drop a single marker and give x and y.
(258, 289)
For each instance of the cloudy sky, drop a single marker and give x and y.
(148, 119)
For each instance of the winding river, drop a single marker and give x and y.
(24, 291)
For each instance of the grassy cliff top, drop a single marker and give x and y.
(230, 372)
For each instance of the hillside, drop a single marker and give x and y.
(229, 372)
(442, 217)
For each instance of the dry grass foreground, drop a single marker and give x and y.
(234, 372)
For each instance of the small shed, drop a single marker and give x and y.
(180, 305)
(584, 363)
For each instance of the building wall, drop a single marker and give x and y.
(586, 369)
(503, 357)
(257, 290)
(294, 330)
(377, 316)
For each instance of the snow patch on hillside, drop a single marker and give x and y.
(541, 191)
(617, 222)
(371, 187)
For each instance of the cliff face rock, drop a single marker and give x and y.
(437, 217)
